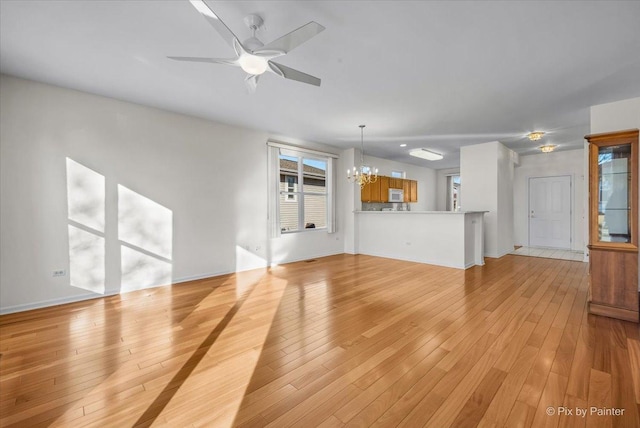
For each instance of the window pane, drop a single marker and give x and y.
(315, 176)
(289, 173)
(315, 211)
(614, 193)
(288, 212)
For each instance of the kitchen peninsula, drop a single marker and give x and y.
(444, 238)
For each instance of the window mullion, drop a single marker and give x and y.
(301, 190)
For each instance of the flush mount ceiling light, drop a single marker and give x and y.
(548, 148)
(426, 154)
(535, 136)
(403, 145)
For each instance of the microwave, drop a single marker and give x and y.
(396, 195)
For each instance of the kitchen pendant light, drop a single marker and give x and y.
(364, 174)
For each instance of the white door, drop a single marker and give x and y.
(550, 212)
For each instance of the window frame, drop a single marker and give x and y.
(299, 195)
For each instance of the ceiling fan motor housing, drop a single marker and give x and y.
(254, 22)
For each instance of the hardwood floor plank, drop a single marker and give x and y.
(329, 343)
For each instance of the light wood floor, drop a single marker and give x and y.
(343, 340)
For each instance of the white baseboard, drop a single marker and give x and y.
(411, 259)
(52, 302)
(81, 297)
(497, 255)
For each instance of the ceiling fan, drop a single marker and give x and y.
(252, 55)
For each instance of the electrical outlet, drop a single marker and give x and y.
(60, 272)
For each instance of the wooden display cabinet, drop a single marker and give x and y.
(613, 225)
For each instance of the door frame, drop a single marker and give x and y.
(571, 206)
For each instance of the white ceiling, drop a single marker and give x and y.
(438, 75)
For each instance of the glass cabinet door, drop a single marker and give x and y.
(614, 193)
(613, 190)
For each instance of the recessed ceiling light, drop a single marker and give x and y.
(403, 145)
(426, 154)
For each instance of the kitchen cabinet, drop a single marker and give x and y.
(395, 183)
(613, 225)
(406, 187)
(413, 196)
(384, 189)
(379, 190)
(371, 192)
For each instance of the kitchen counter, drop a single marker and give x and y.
(444, 238)
(419, 212)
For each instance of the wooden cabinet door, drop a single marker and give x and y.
(413, 197)
(375, 191)
(384, 189)
(406, 186)
(365, 193)
(395, 183)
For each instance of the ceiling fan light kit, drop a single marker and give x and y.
(426, 154)
(252, 64)
(253, 56)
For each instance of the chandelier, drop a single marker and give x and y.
(364, 174)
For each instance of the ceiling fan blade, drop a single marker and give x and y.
(251, 82)
(215, 21)
(227, 61)
(290, 41)
(290, 73)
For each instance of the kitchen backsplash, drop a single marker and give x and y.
(377, 206)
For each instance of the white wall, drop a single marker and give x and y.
(505, 200)
(210, 176)
(351, 202)
(441, 187)
(616, 116)
(612, 117)
(485, 174)
(426, 178)
(552, 164)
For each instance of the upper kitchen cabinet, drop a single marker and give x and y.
(395, 183)
(379, 190)
(371, 191)
(406, 187)
(413, 195)
(384, 188)
(613, 224)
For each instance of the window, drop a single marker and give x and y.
(301, 198)
(398, 174)
(302, 206)
(453, 192)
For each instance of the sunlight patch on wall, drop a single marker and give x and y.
(86, 217)
(246, 259)
(140, 270)
(145, 231)
(85, 196)
(86, 260)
